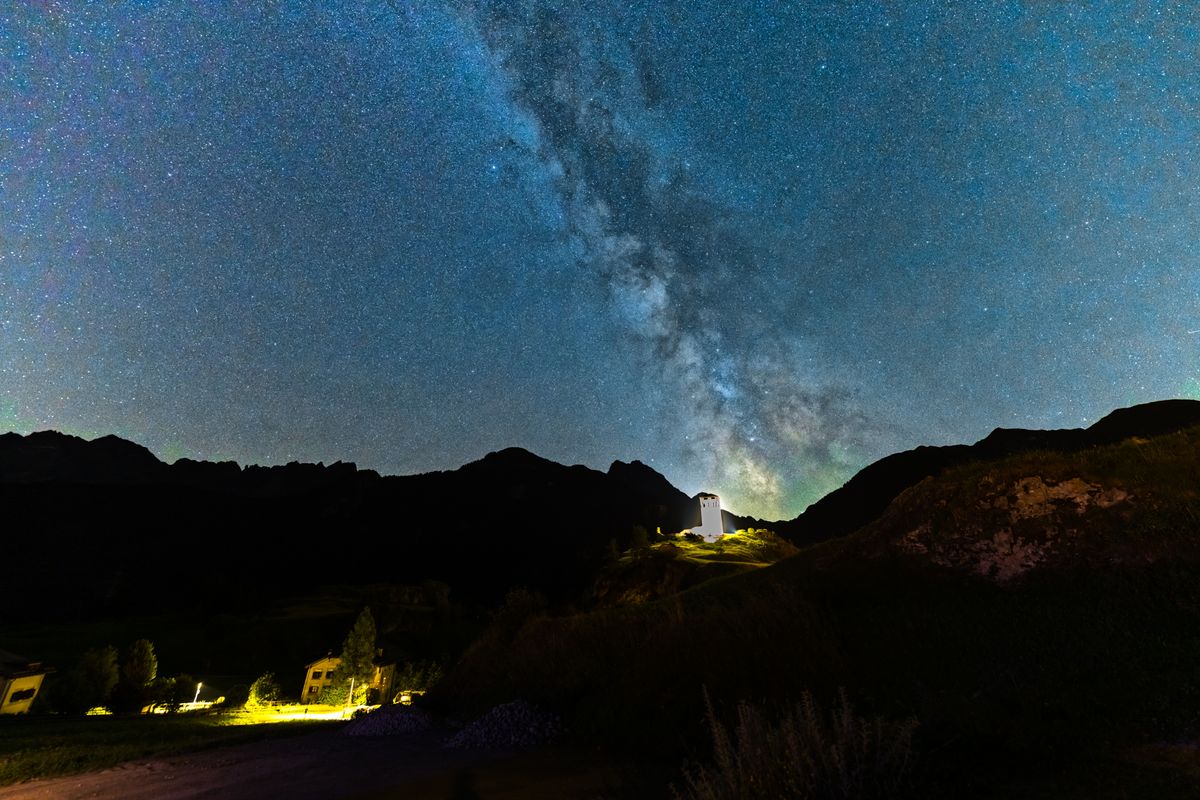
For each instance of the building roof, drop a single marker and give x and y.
(13, 665)
(322, 660)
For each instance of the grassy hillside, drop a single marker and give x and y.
(1079, 649)
(677, 563)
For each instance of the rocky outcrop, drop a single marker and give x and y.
(1000, 527)
(1016, 526)
(866, 496)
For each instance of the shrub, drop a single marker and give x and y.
(263, 691)
(804, 754)
(336, 694)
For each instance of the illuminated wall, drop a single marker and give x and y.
(710, 528)
(17, 693)
(318, 675)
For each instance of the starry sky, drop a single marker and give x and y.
(755, 245)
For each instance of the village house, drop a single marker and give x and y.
(20, 681)
(322, 673)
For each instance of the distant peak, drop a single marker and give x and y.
(512, 452)
(54, 456)
(631, 467)
(511, 457)
(642, 477)
(1147, 419)
(116, 442)
(51, 436)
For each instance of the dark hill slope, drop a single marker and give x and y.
(1134, 502)
(1087, 646)
(868, 493)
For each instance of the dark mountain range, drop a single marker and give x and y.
(105, 527)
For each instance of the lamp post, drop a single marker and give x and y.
(197, 697)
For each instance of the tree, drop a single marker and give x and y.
(358, 655)
(640, 539)
(141, 664)
(418, 676)
(90, 683)
(138, 671)
(263, 691)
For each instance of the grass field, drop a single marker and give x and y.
(43, 747)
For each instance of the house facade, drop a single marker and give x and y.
(20, 682)
(318, 675)
(323, 672)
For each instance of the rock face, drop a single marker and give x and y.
(1016, 526)
(1136, 501)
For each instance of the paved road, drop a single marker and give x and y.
(326, 766)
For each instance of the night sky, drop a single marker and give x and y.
(756, 245)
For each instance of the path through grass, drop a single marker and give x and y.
(43, 747)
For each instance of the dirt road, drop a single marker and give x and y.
(326, 766)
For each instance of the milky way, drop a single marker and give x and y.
(755, 245)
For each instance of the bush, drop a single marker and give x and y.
(336, 694)
(805, 754)
(263, 691)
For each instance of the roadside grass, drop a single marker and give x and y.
(45, 747)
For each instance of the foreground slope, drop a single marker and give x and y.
(1029, 610)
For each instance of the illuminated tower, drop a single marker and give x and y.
(710, 528)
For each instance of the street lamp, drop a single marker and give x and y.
(197, 697)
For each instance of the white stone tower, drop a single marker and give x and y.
(710, 528)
